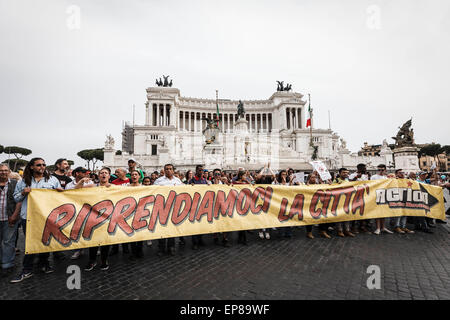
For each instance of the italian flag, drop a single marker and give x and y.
(308, 122)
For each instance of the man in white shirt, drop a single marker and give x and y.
(81, 179)
(381, 221)
(167, 180)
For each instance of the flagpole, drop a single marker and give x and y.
(310, 117)
(217, 106)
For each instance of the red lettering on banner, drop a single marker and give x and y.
(79, 221)
(358, 200)
(124, 208)
(55, 222)
(281, 215)
(206, 206)
(99, 214)
(267, 197)
(178, 217)
(161, 209)
(336, 195)
(142, 212)
(243, 202)
(324, 197)
(297, 207)
(225, 206)
(312, 207)
(194, 206)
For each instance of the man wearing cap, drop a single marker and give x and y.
(82, 179)
(132, 166)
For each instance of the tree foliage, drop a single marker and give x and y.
(18, 152)
(16, 163)
(91, 155)
(431, 149)
(1, 149)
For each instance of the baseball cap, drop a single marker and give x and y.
(131, 159)
(422, 172)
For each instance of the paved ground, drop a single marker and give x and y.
(412, 267)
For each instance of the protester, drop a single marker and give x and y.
(35, 176)
(421, 222)
(9, 218)
(400, 222)
(198, 179)
(380, 222)
(313, 178)
(221, 236)
(132, 166)
(137, 246)
(147, 181)
(343, 228)
(241, 179)
(122, 179)
(62, 165)
(103, 176)
(361, 174)
(168, 180)
(81, 180)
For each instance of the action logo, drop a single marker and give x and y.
(407, 198)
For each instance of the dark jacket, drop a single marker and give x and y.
(10, 202)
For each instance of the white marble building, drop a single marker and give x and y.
(274, 131)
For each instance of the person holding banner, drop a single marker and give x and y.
(283, 179)
(313, 178)
(380, 223)
(103, 175)
(198, 179)
(136, 247)
(35, 176)
(168, 180)
(343, 177)
(241, 179)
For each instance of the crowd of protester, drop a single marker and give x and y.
(14, 190)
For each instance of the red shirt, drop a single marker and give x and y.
(119, 182)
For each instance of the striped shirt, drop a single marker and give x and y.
(4, 202)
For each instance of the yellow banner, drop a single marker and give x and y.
(88, 217)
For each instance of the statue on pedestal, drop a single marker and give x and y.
(212, 128)
(405, 136)
(240, 109)
(109, 143)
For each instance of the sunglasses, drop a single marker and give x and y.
(40, 165)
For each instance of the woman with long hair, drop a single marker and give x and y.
(35, 176)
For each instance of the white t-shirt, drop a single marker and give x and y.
(164, 181)
(364, 177)
(71, 185)
(378, 177)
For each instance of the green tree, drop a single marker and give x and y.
(445, 149)
(16, 163)
(431, 149)
(91, 155)
(1, 149)
(18, 153)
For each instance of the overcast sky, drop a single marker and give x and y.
(68, 80)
